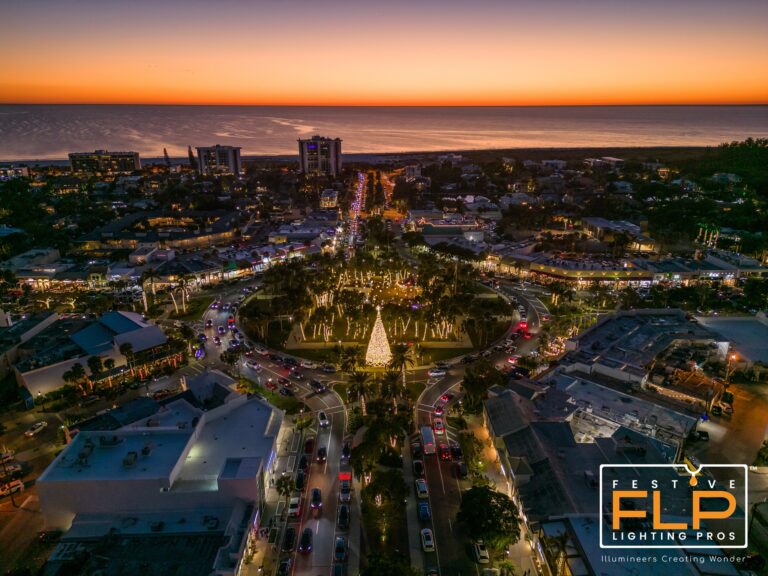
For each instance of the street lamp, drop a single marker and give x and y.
(729, 369)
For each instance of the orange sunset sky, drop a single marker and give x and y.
(339, 52)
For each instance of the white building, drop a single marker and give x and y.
(320, 155)
(205, 453)
(219, 160)
(329, 198)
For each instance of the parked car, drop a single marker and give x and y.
(461, 470)
(36, 428)
(343, 519)
(345, 491)
(329, 368)
(418, 468)
(309, 445)
(421, 488)
(284, 569)
(424, 513)
(427, 540)
(271, 384)
(286, 391)
(301, 478)
(340, 549)
(456, 451)
(308, 364)
(294, 506)
(11, 487)
(289, 539)
(305, 544)
(481, 552)
(303, 462)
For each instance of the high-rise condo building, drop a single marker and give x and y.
(104, 162)
(320, 155)
(219, 160)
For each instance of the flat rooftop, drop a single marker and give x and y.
(748, 335)
(100, 456)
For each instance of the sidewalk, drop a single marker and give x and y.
(414, 529)
(520, 553)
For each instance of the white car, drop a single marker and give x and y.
(308, 364)
(254, 366)
(323, 419)
(260, 350)
(421, 488)
(481, 552)
(13, 486)
(294, 507)
(36, 428)
(427, 540)
(436, 373)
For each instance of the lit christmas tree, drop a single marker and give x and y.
(378, 353)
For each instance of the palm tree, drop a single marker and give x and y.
(557, 546)
(75, 375)
(358, 385)
(402, 358)
(389, 387)
(96, 366)
(151, 275)
(109, 365)
(285, 486)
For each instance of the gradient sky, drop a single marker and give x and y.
(398, 52)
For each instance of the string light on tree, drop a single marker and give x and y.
(378, 353)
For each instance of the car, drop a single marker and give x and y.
(303, 463)
(226, 306)
(438, 410)
(702, 435)
(49, 536)
(316, 500)
(486, 353)
(513, 359)
(317, 386)
(322, 454)
(284, 382)
(10, 470)
(290, 362)
(343, 519)
(456, 451)
(221, 330)
(297, 375)
(6, 457)
(301, 480)
(340, 549)
(217, 341)
(469, 359)
(424, 512)
(260, 350)
(421, 488)
(88, 400)
(308, 364)
(461, 470)
(253, 365)
(432, 571)
(417, 450)
(447, 397)
(329, 368)
(209, 323)
(271, 384)
(202, 338)
(36, 428)
(716, 410)
(427, 540)
(323, 419)
(11, 487)
(305, 544)
(725, 407)
(481, 552)
(418, 468)
(284, 569)
(309, 445)
(289, 539)
(215, 305)
(442, 365)
(438, 426)
(345, 491)
(346, 451)
(339, 569)
(285, 391)
(294, 506)
(436, 373)
(445, 452)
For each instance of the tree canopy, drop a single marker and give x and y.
(490, 515)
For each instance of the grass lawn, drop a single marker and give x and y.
(290, 404)
(432, 355)
(195, 308)
(415, 388)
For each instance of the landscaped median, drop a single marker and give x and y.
(289, 404)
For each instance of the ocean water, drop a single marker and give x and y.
(52, 131)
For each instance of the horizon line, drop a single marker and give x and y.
(596, 105)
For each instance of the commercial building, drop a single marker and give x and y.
(218, 160)
(320, 155)
(71, 340)
(186, 476)
(104, 162)
(329, 198)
